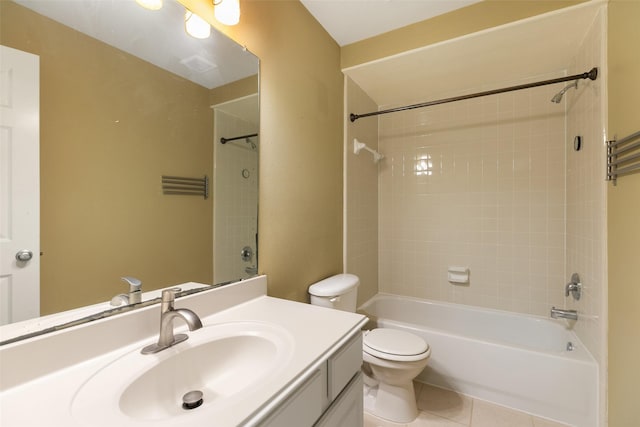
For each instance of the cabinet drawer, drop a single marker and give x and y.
(343, 365)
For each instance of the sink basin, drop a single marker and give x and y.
(229, 363)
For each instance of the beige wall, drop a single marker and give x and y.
(301, 95)
(623, 219)
(107, 136)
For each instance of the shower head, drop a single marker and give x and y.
(251, 143)
(558, 96)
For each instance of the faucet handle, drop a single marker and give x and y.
(134, 284)
(574, 287)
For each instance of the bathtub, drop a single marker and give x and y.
(513, 360)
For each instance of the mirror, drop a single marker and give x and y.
(125, 98)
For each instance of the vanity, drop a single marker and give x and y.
(257, 360)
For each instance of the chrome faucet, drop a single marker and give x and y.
(574, 287)
(557, 313)
(133, 297)
(167, 316)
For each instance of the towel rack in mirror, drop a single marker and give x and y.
(185, 186)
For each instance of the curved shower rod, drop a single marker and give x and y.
(591, 75)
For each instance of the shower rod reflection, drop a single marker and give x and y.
(225, 140)
(591, 74)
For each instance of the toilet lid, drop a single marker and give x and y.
(395, 342)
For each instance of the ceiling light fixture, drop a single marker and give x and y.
(195, 26)
(150, 4)
(227, 12)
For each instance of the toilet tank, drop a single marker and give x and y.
(339, 292)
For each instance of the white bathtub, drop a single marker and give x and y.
(513, 360)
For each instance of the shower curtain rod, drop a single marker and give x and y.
(591, 74)
(225, 140)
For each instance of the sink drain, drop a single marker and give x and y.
(192, 399)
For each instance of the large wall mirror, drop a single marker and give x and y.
(126, 97)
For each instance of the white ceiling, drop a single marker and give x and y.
(349, 21)
(537, 48)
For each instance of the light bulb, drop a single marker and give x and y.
(150, 4)
(227, 11)
(195, 26)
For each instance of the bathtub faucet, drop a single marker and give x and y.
(557, 313)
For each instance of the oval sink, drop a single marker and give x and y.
(226, 362)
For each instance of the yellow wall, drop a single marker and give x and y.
(624, 219)
(301, 86)
(478, 16)
(238, 89)
(110, 126)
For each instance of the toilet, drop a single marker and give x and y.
(392, 358)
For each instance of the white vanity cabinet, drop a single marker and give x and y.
(330, 397)
(312, 378)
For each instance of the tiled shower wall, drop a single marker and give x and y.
(236, 194)
(478, 184)
(361, 196)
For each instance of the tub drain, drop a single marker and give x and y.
(192, 399)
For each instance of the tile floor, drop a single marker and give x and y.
(445, 408)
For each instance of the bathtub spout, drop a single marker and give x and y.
(557, 313)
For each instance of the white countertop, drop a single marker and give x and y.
(40, 377)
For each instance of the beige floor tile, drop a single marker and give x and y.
(489, 415)
(445, 403)
(425, 419)
(373, 421)
(539, 422)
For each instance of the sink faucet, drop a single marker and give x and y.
(557, 313)
(133, 297)
(167, 316)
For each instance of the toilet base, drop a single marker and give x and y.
(392, 403)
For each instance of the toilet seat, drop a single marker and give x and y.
(393, 344)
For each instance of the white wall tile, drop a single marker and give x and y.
(488, 203)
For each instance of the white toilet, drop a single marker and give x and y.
(393, 358)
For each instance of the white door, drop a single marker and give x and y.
(19, 185)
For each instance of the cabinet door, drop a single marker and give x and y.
(347, 410)
(304, 407)
(343, 365)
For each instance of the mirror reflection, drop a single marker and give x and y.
(125, 97)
